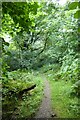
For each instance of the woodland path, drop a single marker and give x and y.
(45, 110)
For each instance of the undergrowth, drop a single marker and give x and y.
(64, 105)
(14, 106)
(65, 89)
(65, 101)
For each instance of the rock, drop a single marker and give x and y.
(53, 115)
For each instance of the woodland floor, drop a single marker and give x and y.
(45, 110)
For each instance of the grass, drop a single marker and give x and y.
(27, 106)
(61, 99)
(64, 104)
(30, 104)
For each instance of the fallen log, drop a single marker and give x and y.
(26, 90)
(20, 93)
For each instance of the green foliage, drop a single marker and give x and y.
(19, 12)
(76, 89)
(69, 73)
(76, 5)
(77, 14)
(73, 5)
(65, 86)
(26, 105)
(43, 37)
(63, 103)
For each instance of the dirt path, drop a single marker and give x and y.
(45, 107)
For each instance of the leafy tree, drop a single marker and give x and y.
(42, 34)
(20, 13)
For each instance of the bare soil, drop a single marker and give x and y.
(45, 110)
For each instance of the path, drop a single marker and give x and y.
(45, 107)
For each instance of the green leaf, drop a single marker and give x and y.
(4, 42)
(77, 14)
(73, 5)
(79, 29)
(79, 4)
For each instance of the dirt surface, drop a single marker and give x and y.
(45, 110)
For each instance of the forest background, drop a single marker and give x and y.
(40, 38)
